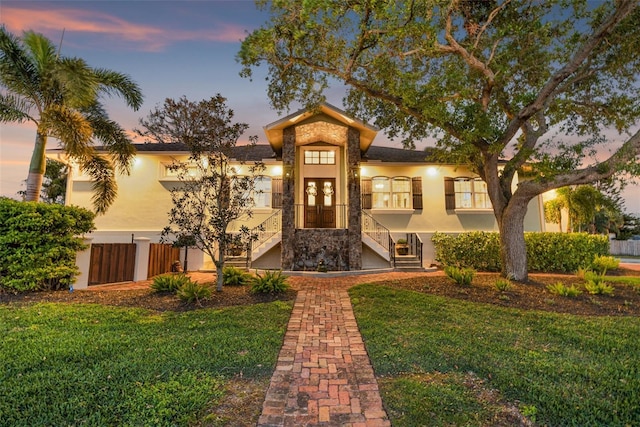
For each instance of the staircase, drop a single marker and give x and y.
(413, 260)
(408, 263)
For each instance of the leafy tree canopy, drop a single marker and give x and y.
(536, 82)
(212, 193)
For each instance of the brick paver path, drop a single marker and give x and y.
(323, 376)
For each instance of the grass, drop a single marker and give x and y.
(75, 364)
(561, 369)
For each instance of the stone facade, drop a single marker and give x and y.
(354, 210)
(288, 195)
(319, 249)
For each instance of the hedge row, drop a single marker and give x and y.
(546, 252)
(38, 244)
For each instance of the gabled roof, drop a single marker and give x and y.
(274, 130)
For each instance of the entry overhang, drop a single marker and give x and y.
(274, 131)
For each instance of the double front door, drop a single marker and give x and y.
(320, 203)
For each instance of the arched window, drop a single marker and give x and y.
(381, 192)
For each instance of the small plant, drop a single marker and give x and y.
(592, 276)
(272, 282)
(169, 282)
(232, 276)
(503, 284)
(462, 276)
(599, 288)
(401, 242)
(561, 289)
(602, 263)
(194, 292)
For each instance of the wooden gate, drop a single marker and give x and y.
(112, 263)
(161, 257)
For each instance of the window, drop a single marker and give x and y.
(381, 191)
(391, 193)
(262, 192)
(466, 193)
(319, 157)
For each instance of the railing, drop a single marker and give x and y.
(267, 229)
(379, 234)
(340, 216)
(415, 245)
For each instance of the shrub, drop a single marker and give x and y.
(462, 276)
(193, 291)
(561, 289)
(272, 282)
(232, 276)
(557, 252)
(599, 288)
(503, 284)
(477, 249)
(603, 263)
(38, 244)
(563, 252)
(169, 282)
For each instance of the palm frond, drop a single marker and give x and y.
(112, 136)
(14, 109)
(77, 82)
(18, 73)
(114, 83)
(104, 184)
(42, 50)
(69, 126)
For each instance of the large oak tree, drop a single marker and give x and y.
(536, 82)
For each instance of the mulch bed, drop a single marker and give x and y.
(531, 296)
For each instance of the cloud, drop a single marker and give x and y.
(120, 32)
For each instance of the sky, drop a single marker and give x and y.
(170, 49)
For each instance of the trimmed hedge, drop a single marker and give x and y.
(546, 252)
(38, 244)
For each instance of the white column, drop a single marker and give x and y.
(141, 268)
(83, 262)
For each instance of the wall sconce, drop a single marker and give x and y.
(287, 172)
(355, 172)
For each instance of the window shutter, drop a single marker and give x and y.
(416, 190)
(449, 194)
(276, 193)
(365, 191)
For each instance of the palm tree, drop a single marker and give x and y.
(61, 95)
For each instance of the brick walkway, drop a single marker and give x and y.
(323, 376)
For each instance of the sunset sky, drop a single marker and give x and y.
(170, 48)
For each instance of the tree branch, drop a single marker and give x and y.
(548, 91)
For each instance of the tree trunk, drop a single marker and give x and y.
(513, 250)
(36, 169)
(219, 268)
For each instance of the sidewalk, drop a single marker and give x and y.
(323, 376)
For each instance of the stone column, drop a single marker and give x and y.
(288, 197)
(354, 209)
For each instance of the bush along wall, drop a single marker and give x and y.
(546, 252)
(38, 244)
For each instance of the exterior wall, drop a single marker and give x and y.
(434, 216)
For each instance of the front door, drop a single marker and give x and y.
(320, 203)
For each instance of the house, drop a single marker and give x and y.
(330, 198)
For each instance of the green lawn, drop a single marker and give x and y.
(557, 369)
(72, 364)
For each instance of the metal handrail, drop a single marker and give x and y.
(376, 231)
(266, 229)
